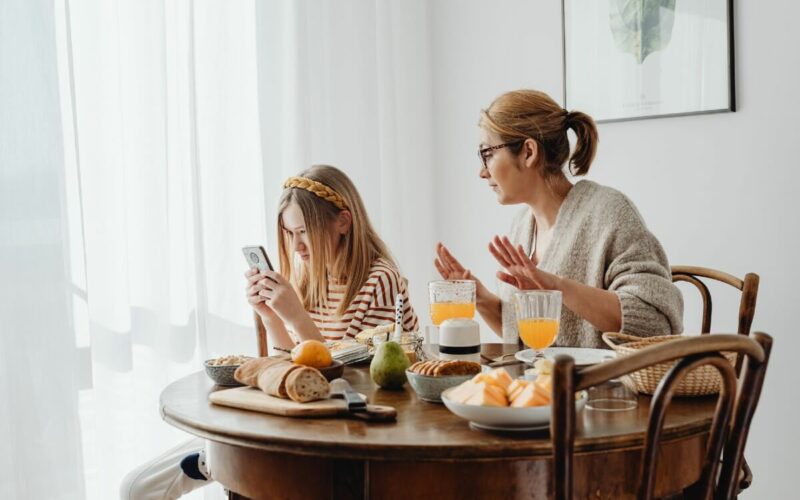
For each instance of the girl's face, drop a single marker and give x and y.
(510, 176)
(295, 225)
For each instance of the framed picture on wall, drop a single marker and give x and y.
(634, 59)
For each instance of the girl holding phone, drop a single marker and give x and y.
(337, 275)
(336, 278)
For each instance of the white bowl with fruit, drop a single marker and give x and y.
(494, 401)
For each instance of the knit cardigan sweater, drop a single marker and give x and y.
(600, 240)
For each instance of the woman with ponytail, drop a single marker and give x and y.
(584, 239)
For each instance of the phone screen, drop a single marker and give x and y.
(256, 257)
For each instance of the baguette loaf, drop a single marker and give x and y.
(307, 384)
(249, 371)
(273, 379)
(284, 379)
(268, 374)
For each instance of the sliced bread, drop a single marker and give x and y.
(272, 379)
(307, 384)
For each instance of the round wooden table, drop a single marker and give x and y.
(428, 452)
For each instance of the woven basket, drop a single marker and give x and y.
(701, 381)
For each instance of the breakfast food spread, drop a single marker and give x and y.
(230, 360)
(284, 379)
(496, 388)
(442, 368)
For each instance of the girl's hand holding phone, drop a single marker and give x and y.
(256, 301)
(279, 296)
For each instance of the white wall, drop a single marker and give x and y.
(718, 190)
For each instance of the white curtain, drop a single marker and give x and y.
(155, 142)
(40, 432)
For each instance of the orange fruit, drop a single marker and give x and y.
(312, 353)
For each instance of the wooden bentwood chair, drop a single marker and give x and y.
(729, 427)
(261, 333)
(747, 309)
(748, 287)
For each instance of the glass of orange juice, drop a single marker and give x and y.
(538, 315)
(451, 299)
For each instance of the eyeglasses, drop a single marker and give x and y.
(484, 153)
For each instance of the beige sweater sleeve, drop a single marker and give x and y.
(638, 272)
(601, 240)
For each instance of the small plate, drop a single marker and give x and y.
(583, 356)
(335, 370)
(497, 428)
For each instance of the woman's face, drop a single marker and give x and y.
(510, 176)
(295, 225)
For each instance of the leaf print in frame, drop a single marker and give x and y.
(641, 27)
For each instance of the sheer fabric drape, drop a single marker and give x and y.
(149, 145)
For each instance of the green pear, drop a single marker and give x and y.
(388, 367)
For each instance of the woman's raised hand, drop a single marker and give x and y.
(451, 269)
(521, 271)
(448, 266)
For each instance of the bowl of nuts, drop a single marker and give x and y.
(221, 370)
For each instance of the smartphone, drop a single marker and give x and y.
(256, 257)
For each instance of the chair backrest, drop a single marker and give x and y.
(748, 287)
(261, 332)
(729, 428)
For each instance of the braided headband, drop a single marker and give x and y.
(317, 188)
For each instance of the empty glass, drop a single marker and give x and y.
(613, 395)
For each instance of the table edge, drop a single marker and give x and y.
(542, 449)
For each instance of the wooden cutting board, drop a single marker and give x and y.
(250, 398)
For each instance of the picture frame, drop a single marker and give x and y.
(638, 59)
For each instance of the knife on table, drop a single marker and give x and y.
(357, 406)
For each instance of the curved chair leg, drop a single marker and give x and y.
(745, 476)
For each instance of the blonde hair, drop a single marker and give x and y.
(322, 192)
(523, 114)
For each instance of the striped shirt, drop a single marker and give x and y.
(373, 305)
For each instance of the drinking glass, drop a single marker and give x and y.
(451, 299)
(538, 317)
(612, 395)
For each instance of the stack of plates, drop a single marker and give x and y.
(348, 351)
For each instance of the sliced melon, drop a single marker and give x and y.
(487, 395)
(498, 377)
